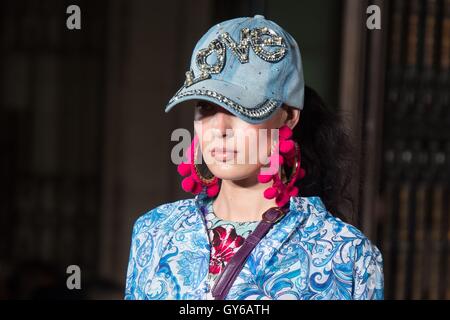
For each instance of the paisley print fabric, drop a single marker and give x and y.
(309, 254)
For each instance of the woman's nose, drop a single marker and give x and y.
(222, 123)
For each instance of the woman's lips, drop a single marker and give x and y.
(222, 154)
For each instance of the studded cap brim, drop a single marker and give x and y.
(241, 102)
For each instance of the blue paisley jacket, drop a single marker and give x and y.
(309, 254)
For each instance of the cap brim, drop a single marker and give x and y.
(238, 100)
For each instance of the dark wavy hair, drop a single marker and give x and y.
(327, 156)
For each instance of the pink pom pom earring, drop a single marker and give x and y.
(194, 182)
(289, 154)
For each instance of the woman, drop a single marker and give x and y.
(266, 229)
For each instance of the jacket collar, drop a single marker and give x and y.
(296, 219)
(300, 209)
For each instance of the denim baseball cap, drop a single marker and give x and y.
(250, 66)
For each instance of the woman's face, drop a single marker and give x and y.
(234, 149)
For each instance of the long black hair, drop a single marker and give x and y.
(327, 156)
